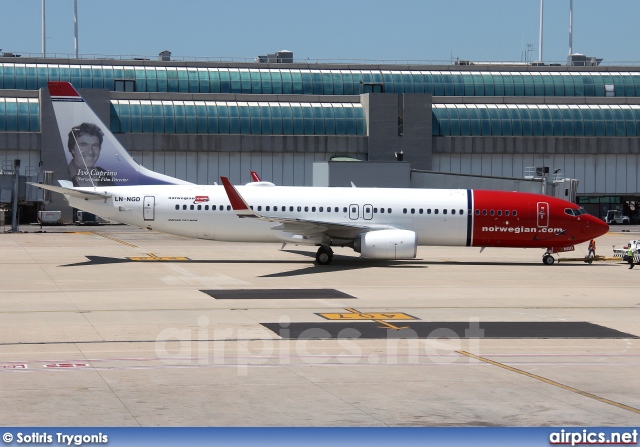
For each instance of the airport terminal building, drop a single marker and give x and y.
(201, 120)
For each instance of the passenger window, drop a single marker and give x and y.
(344, 210)
(336, 209)
(389, 210)
(328, 209)
(420, 211)
(321, 209)
(228, 207)
(375, 210)
(477, 212)
(413, 210)
(260, 208)
(177, 207)
(499, 212)
(213, 207)
(251, 206)
(484, 212)
(404, 211)
(199, 207)
(299, 208)
(514, 213)
(206, 207)
(506, 213)
(381, 210)
(306, 209)
(353, 209)
(428, 210)
(453, 211)
(290, 208)
(435, 211)
(267, 208)
(192, 207)
(444, 211)
(313, 209)
(492, 212)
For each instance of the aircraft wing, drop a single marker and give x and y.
(296, 225)
(311, 227)
(81, 194)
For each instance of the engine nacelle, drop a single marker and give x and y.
(387, 244)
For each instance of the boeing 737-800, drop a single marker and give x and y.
(378, 223)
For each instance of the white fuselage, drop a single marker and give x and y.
(438, 217)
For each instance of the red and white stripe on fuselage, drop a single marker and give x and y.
(507, 219)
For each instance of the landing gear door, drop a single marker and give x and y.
(542, 214)
(149, 210)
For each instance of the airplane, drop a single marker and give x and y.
(378, 223)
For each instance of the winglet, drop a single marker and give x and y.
(255, 177)
(238, 204)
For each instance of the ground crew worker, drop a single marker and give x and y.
(592, 249)
(630, 256)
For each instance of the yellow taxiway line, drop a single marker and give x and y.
(551, 382)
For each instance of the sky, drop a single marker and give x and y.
(426, 31)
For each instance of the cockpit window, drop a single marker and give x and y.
(574, 212)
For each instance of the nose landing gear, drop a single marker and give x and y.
(547, 259)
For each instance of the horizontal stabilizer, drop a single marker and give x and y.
(86, 195)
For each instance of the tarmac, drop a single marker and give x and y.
(117, 326)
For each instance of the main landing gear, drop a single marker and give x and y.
(547, 259)
(324, 255)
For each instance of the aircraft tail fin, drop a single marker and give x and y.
(95, 156)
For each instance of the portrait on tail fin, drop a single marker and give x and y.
(85, 144)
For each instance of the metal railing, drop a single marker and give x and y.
(337, 61)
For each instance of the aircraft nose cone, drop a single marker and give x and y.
(598, 226)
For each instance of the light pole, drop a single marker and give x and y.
(75, 25)
(540, 35)
(44, 34)
(570, 27)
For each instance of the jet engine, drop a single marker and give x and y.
(387, 244)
